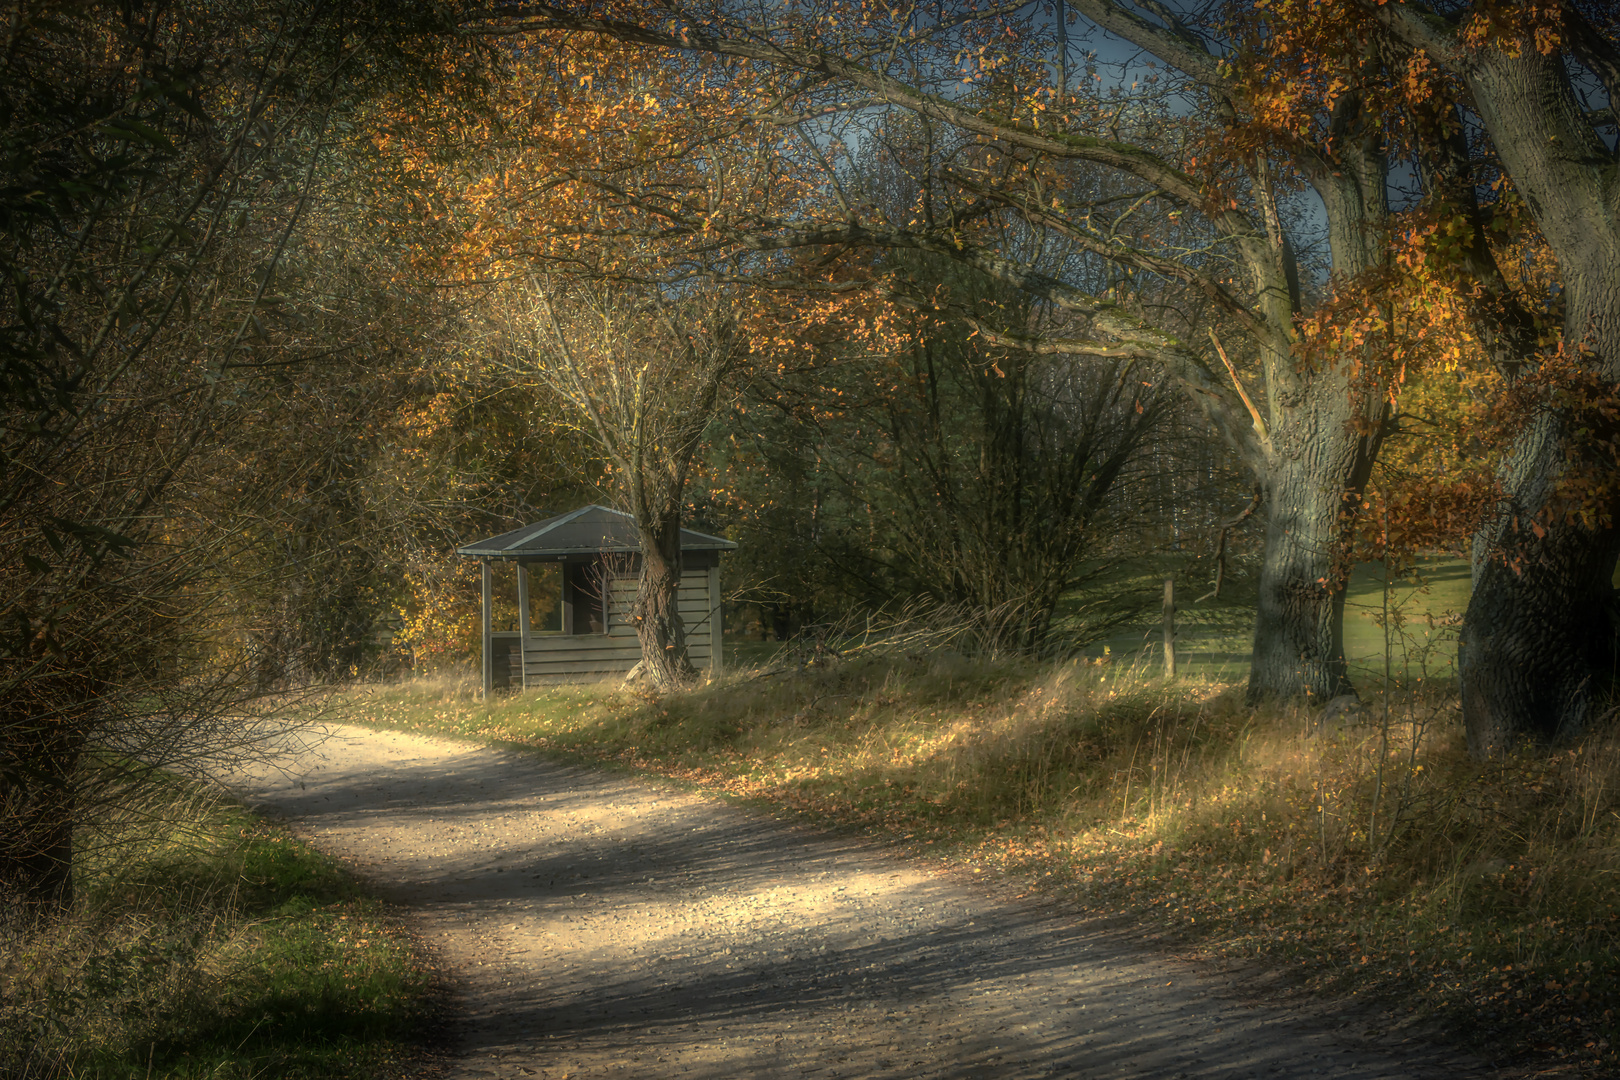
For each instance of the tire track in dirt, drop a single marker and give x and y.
(602, 926)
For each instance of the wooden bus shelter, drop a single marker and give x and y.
(591, 635)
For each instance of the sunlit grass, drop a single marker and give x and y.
(210, 944)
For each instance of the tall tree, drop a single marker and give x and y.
(634, 336)
(642, 378)
(1537, 88)
(1326, 96)
(1198, 198)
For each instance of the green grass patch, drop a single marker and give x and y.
(1373, 860)
(1215, 635)
(210, 943)
(1410, 620)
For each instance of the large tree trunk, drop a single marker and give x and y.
(1327, 426)
(1538, 646)
(1538, 642)
(1320, 467)
(659, 629)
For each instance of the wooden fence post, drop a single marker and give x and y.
(1170, 627)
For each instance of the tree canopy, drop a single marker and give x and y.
(1473, 107)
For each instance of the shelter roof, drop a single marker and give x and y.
(587, 531)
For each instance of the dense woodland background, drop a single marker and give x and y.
(962, 309)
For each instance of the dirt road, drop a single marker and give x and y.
(602, 927)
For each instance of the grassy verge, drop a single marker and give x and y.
(1370, 858)
(211, 945)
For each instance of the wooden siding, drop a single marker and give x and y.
(505, 657)
(584, 657)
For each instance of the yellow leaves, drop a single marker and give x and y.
(441, 622)
(582, 149)
(1412, 316)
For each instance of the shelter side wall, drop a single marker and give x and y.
(504, 658)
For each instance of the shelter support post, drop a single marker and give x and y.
(489, 636)
(523, 623)
(716, 644)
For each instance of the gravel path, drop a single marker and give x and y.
(600, 926)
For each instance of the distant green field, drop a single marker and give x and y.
(1214, 638)
(1423, 632)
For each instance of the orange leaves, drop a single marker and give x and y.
(1385, 322)
(1420, 72)
(1511, 26)
(1399, 520)
(572, 157)
(1297, 58)
(432, 416)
